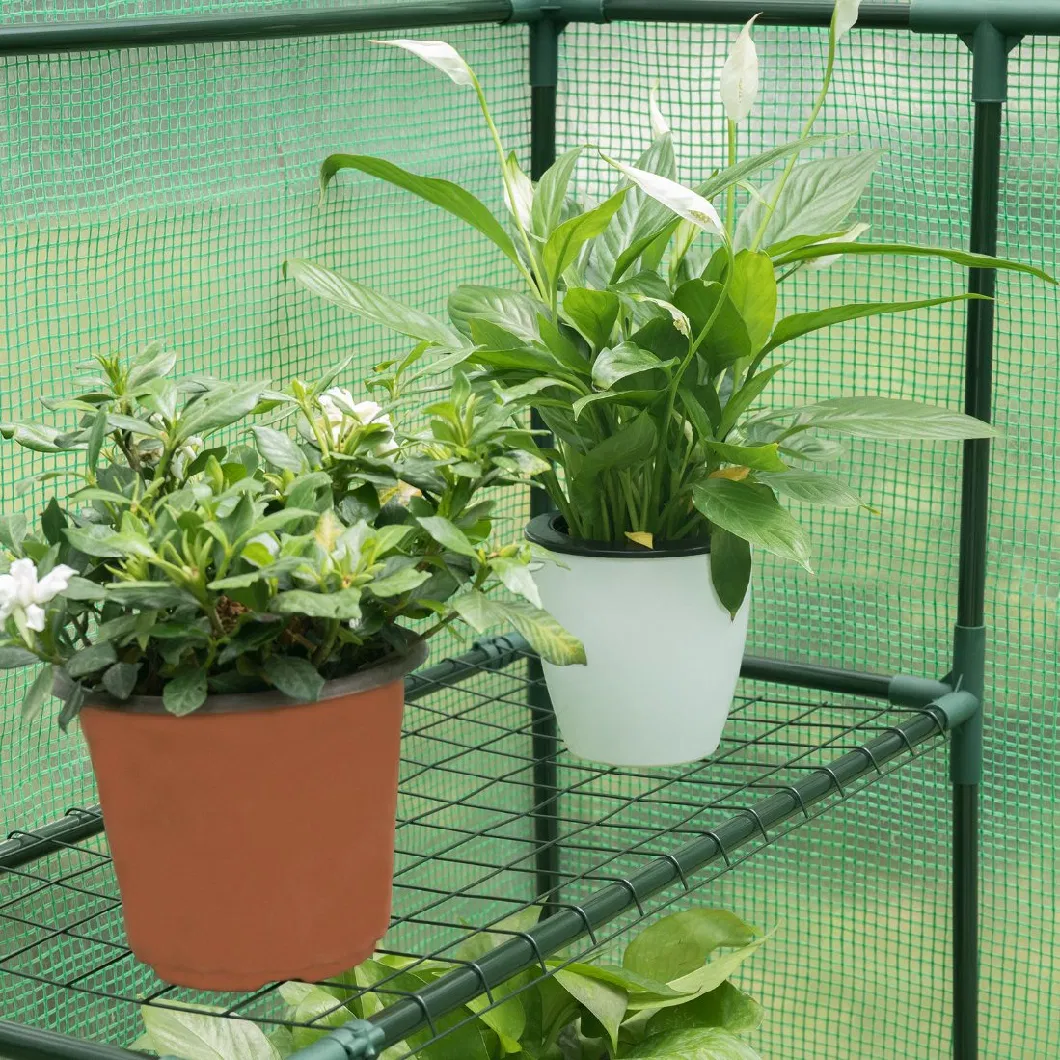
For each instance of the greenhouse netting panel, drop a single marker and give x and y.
(155, 194)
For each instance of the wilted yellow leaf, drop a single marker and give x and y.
(737, 474)
(641, 537)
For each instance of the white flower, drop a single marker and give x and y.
(845, 17)
(846, 237)
(339, 407)
(22, 595)
(659, 125)
(739, 76)
(683, 201)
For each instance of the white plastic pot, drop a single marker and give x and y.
(663, 653)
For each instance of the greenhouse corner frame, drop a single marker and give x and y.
(991, 29)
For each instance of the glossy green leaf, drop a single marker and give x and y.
(798, 324)
(37, 692)
(150, 596)
(744, 398)
(632, 444)
(568, 239)
(221, 407)
(551, 192)
(697, 1043)
(906, 250)
(90, 660)
(727, 340)
(728, 1007)
(344, 604)
(752, 512)
(606, 1002)
(38, 437)
(448, 535)
(817, 197)
(294, 677)
(372, 305)
(120, 679)
(513, 311)
(547, 637)
(402, 581)
(812, 487)
(279, 449)
(753, 293)
(730, 568)
(516, 576)
(892, 419)
(593, 313)
(634, 398)
(185, 692)
(444, 193)
(193, 1035)
(682, 942)
(757, 457)
(12, 657)
(622, 361)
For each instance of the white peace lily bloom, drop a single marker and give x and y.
(518, 192)
(847, 237)
(739, 76)
(440, 55)
(683, 201)
(659, 125)
(845, 17)
(23, 595)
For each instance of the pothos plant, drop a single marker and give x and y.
(284, 553)
(645, 331)
(670, 995)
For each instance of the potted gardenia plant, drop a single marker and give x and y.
(645, 334)
(228, 617)
(669, 996)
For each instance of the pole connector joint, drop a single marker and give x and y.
(558, 12)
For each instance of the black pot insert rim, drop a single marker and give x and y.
(549, 531)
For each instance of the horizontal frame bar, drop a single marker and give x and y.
(871, 15)
(40, 38)
(18, 1041)
(567, 925)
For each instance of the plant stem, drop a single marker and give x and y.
(327, 645)
(730, 194)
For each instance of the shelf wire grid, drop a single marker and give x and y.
(466, 851)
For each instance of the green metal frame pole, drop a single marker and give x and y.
(544, 77)
(989, 71)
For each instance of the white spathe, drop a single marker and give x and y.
(663, 657)
(683, 201)
(23, 595)
(440, 55)
(845, 17)
(738, 83)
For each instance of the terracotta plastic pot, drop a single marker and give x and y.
(663, 654)
(254, 839)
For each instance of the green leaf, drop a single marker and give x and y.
(154, 362)
(312, 1005)
(35, 436)
(401, 581)
(633, 398)
(448, 535)
(37, 693)
(515, 312)
(294, 677)
(95, 439)
(631, 444)
(546, 636)
(624, 360)
(893, 419)
(757, 457)
(120, 679)
(222, 406)
(817, 197)
(593, 313)
(103, 542)
(13, 530)
(195, 1036)
(728, 340)
(185, 692)
(632, 983)
(551, 192)
(958, 257)
(728, 1007)
(753, 293)
(279, 449)
(90, 660)
(730, 568)
(344, 604)
(742, 400)
(150, 596)
(356, 298)
(12, 657)
(606, 1002)
(698, 1043)
(798, 324)
(682, 942)
(752, 513)
(444, 193)
(568, 239)
(812, 487)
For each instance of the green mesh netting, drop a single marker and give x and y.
(155, 193)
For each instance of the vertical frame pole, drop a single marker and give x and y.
(989, 75)
(544, 77)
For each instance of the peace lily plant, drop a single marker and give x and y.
(260, 580)
(644, 331)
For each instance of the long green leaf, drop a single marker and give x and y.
(551, 192)
(623, 360)
(798, 324)
(758, 457)
(730, 568)
(752, 512)
(513, 311)
(633, 443)
(694, 1043)
(380, 308)
(444, 193)
(448, 534)
(13, 656)
(37, 693)
(742, 400)
(565, 242)
(907, 250)
(891, 419)
(812, 487)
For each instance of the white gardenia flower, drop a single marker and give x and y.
(845, 17)
(23, 595)
(339, 406)
(739, 76)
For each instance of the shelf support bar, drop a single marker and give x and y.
(544, 78)
(990, 47)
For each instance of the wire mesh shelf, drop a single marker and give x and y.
(621, 846)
